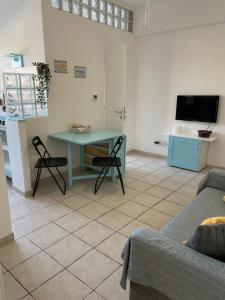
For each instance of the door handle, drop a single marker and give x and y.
(118, 112)
(122, 113)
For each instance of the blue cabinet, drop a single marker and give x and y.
(187, 153)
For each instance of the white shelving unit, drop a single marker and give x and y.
(20, 91)
(3, 132)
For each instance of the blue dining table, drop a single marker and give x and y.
(94, 137)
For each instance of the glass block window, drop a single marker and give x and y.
(102, 11)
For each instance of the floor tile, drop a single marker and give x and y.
(169, 208)
(63, 286)
(113, 247)
(17, 233)
(89, 193)
(182, 179)
(181, 199)
(94, 233)
(79, 187)
(15, 198)
(35, 271)
(94, 296)
(58, 195)
(67, 250)
(47, 187)
(129, 193)
(20, 211)
(156, 165)
(93, 268)
(17, 252)
(39, 202)
(115, 220)
(94, 210)
(159, 192)
(73, 221)
(30, 223)
(170, 185)
(55, 211)
(3, 269)
(188, 173)
(126, 181)
(132, 209)
(155, 218)
(28, 297)
(47, 235)
(76, 202)
(146, 200)
(112, 200)
(110, 289)
(140, 186)
(151, 179)
(161, 174)
(128, 229)
(13, 290)
(136, 174)
(196, 180)
(188, 190)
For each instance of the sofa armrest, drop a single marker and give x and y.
(173, 269)
(214, 179)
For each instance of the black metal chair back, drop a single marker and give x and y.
(47, 161)
(117, 147)
(111, 161)
(40, 147)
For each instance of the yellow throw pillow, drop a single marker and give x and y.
(215, 220)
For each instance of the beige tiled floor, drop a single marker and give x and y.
(69, 247)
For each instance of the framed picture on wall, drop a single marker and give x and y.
(80, 72)
(60, 66)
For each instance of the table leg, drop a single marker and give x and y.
(82, 158)
(70, 163)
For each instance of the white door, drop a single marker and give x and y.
(116, 88)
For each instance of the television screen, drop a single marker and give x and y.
(197, 108)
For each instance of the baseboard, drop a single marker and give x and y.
(7, 239)
(26, 194)
(149, 154)
(215, 167)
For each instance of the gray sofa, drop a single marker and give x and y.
(160, 267)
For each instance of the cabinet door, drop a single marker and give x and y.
(184, 153)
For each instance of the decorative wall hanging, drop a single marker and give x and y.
(60, 66)
(80, 72)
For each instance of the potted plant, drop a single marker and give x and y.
(43, 78)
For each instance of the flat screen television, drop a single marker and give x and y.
(200, 108)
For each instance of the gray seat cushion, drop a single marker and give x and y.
(209, 203)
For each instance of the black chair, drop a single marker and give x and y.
(108, 162)
(48, 162)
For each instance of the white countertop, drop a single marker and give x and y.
(191, 136)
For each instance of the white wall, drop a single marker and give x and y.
(180, 62)
(166, 15)
(21, 31)
(80, 42)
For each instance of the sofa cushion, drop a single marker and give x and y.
(209, 240)
(209, 203)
